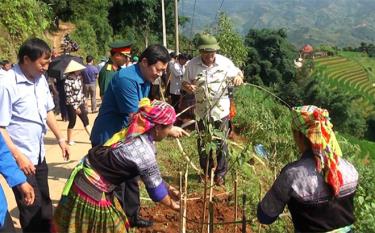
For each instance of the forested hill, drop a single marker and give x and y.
(335, 22)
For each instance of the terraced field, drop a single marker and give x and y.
(349, 75)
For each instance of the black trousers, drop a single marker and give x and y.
(73, 116)
(128, 195)
(8, 224)
(37, 217)
(62, 99)
(221, 152)
(175, 99)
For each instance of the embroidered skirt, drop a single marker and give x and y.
(87, 209)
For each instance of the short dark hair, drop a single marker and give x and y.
(173, 54)
(4, 62)
(34, 48)
(89, 58)
(155, 53)
(183, 56)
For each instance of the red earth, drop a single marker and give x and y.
(167, 220)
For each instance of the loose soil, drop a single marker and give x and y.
(167, 220)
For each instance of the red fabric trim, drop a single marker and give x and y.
(123, 50)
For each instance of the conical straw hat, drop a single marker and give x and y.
(74, 66)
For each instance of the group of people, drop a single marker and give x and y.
(102, 192)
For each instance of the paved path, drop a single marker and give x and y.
(59, 170)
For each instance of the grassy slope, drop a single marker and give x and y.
(261, 120)
(354, 73)
(366, 62)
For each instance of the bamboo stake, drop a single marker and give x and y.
(187, 157)
(260, 198)
(210, 197)
(235, 201)
(244, 213)
(211, 221)
(180, 113)
(181, 206)
(211, 183)
(185, 198)
(186, 124)
(205, 194)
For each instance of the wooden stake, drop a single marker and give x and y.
(235, 201)
(210, 196)
(205, 194)
(187, 157)
(211, 183)
(185, 198)
(180, 113)
(260, 198)
(181, 206)
(211, 222)
(244, 213)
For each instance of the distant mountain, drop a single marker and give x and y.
(335, 22)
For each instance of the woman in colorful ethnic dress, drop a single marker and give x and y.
(88, 203)
(319, 187)
(75, 99)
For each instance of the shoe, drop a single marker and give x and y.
(219, 180)
(141, 223)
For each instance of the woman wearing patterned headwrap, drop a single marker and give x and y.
(88, 203)
(318, 188)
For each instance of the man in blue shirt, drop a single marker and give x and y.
(90, 74)
(15, 179)
(26, 108)
(121, 98)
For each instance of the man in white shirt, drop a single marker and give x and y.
(207, 76)
(5, 66)
(177, 70)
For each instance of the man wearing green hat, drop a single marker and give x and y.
(207, 76)
(119, 52)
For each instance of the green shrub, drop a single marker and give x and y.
(24, 19)
(264, 121)
(85, 36)
(365, 198)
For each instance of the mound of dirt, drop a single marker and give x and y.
(167, 220)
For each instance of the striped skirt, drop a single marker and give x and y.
(85, 206)
(78, 212)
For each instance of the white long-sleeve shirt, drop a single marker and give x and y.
(177, 72)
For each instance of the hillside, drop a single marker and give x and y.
(335, 22)
(259, 120)
(348, 75)
(56, 38)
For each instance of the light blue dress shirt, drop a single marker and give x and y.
(24, 105)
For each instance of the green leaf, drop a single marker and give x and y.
(361, 200)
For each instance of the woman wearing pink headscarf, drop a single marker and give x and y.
(318, 188)
(88, 203)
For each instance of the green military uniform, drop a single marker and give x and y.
(105, 76)
(108, 72)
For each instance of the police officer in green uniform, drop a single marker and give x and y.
(119, 51)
